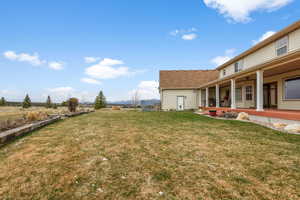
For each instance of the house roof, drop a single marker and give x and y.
(185, 79)
(262, 44)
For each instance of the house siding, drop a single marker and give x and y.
(294, 40)
(282, 103)
(264, 54)
(169, 99)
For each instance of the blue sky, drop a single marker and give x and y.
(69, 48)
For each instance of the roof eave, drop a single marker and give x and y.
(290, 55)
(262, 44)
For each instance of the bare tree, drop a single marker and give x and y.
(135, 99)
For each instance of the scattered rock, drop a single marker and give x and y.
(160, 193)
(243, 116)
(231, 115)
(104, 159)
(293, 128)
(279, 125)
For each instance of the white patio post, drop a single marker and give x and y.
(259, 90)
(206, 102)
(217, 96)
(200, 98)
(233, 105)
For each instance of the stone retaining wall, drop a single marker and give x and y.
(12, 133)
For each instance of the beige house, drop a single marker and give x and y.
(179, 89)
(263, 77)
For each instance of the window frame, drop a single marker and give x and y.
(284, 88)
(238, 66)
(277, 47)
(224, 72)
(241, 94)
(247, 92)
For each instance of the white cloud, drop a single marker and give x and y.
(219, 60)
(240, 10)
(4, 92)
(24, 57)
(263, 37)
(191, 36)
(60, 94)
(12, 95)
(107, 69)
(56, 65)
(33, 59)
(106, 72)
(185, 34)
(146, 90)
(90, 81)
(61, 89)
(91, 59)
(110, 62)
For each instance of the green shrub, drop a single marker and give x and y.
(26, 102)
(72, 104)
(2, 101)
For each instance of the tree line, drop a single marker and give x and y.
(100, 102)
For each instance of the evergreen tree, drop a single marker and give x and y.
(97, 103)
(27, 102)
(100, 101)
(48, 102)
(2, 101)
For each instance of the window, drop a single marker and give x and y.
(249, 93)
(292, 89)
(282, 46)
(238, 94)
(224, 72)
(238, 66)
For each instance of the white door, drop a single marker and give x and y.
(180, 103)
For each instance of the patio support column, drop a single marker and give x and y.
(217, 96)
(233, 105)
(259, 90)
(206, 96)
(200, 98)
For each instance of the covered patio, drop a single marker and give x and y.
(262, 90)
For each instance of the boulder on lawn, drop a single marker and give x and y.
(279, 125)
(243, 116)
(293, 128)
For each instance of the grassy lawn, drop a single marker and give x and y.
(151, 155)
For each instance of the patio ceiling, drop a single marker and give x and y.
(287, 67)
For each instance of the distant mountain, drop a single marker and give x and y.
(125, 102)
(149, 102)
(143, 102)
